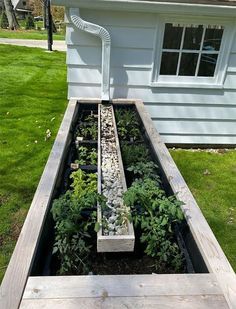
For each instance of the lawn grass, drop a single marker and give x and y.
(212, 179)
(33, 93)
(29, 34)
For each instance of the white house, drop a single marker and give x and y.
(179, 57)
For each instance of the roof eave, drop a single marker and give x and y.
(150, 6)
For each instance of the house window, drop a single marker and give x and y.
(190, 50)
(191, 54)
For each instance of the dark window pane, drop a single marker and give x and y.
(207, 65)
(169, 63)
(212, 39)
(172, 37)
(188, 64)
(193, 37)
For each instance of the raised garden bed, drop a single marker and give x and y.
(74, 208)
(194, 240)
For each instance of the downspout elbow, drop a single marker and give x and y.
(104, 35)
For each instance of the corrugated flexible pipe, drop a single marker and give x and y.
(106, 48)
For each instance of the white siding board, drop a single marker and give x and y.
(191, 112)
(120, 37)
(230, 81)
(118, 76)
(122, 76)
(132, 37)
(83, 55)
(190, 139)
(196, 127)
(146, 20)
(232, 63)
(83, 91)
(86, 56)
(78, 37)
(162, 95)
(84, 75)
(233, 49)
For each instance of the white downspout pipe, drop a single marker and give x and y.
(106, 48)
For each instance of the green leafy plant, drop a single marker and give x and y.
(91, 118)
(145, 170)
(93, 156)
(88, 131)
(132, 153)
(156, 214)
(87, 156)
(127, 124)
(83, 183)
(82, 155)
(73, 241)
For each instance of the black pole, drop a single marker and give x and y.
(45, 14)
(49, 25)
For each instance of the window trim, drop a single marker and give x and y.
(217, 81)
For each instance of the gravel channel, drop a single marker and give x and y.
(114, 217)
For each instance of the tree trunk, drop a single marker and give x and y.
(11, 16)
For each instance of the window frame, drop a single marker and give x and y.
(158, 80)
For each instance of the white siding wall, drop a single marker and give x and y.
(180, 115)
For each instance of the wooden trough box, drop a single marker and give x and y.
(113, 243)
(29, 281)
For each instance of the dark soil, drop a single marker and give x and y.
(127, 263)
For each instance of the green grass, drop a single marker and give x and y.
(29, 34)
(215, 192)
(32, 99)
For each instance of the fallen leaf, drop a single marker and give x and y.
(206, 172)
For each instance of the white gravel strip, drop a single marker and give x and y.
(115, 221)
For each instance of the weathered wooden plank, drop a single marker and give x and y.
(121, 286)
(14, 281)
(105, 302)
(208, 245)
